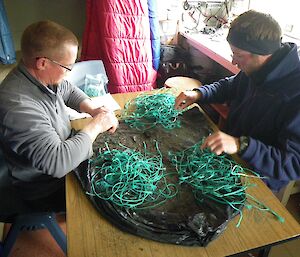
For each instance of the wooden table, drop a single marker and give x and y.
(90, 235)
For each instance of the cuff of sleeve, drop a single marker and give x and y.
(244, 143)
(203, 92)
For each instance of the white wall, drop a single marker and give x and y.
(286, 12)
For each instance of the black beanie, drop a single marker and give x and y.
(240, 40)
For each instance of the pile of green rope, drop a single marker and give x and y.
(136, 180)
(131, 179)
(149, 110)
(216, 177)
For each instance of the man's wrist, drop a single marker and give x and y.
(199, 94)
(244, 143)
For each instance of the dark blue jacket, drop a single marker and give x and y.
(268, 111)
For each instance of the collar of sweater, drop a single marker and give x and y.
(259, 76)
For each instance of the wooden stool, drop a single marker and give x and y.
(293, 187)
(182, 83)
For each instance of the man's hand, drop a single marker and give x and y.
(220, 142)
(105, 120)
(184, 99)
(89, 107)
(98, 110)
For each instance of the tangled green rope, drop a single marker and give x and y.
(216, 177)
(149, 110)
(131, 179)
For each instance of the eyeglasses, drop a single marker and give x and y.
(240, 56)
(63, 66)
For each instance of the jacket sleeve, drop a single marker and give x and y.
(282, 161)
(72, 95)
(220, 91)
(31, 135)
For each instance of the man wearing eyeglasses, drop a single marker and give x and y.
(35, 128)
(263, 125)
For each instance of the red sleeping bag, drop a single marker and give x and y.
(118, 33)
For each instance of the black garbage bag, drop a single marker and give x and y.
(181, 220)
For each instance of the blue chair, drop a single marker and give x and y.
(26, 220)
(32, 222)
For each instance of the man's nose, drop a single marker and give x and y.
(233, 61)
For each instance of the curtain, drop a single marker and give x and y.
(154, 32)
(7, 50)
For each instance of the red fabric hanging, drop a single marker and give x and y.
(118, 33)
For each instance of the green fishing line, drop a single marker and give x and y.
(149, 110)
(131, 179)
(216, 177)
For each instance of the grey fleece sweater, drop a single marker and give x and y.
(36, 133)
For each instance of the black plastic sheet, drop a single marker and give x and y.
(180, 220)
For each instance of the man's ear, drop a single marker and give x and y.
(40, 63)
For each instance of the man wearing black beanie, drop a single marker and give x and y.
(263, 125)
